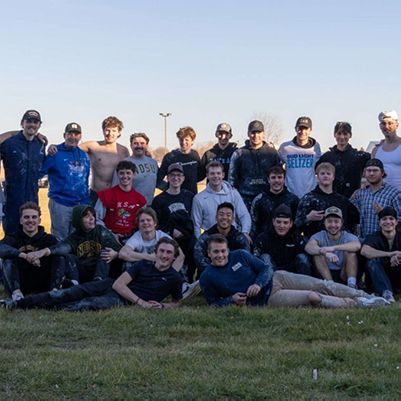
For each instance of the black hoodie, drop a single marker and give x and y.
(216, 153)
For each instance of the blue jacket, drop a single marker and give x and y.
(242, 270)
(68, 172)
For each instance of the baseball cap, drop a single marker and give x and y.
(224, 127)
(175, 167)
(31, 114)
(388, 114)
(387, 211)
(333, 211)
(304, 122)
(256, 126)
(73, 127)
(375, 163)
(282, 211)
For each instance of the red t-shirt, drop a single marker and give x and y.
(121, 208)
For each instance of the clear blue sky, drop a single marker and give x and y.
(205, 62)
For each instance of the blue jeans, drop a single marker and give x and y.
(379, 277)
(300, 265)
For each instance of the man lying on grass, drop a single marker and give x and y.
(238, 278)
(145, 284)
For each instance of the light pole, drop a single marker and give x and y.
(165, 115)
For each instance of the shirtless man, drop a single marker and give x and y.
(389, 150)
(104, 155)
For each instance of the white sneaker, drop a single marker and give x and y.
(372, 302)
(388, 295)
(190, 290)
(17, 295)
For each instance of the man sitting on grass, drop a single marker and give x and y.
(145, 284)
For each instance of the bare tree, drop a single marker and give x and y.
(203, 147)
(273, 127)
(158, 153)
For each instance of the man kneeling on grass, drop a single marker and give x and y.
(238, 278)
(145, 284)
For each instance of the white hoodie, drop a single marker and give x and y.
(205, 204)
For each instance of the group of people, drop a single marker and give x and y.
(286, 227)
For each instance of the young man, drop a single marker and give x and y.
(389, 150)
(22, 273)
(374, 197)
(310, 214)
(146, 167)
(281, 246)
(383, 251)
(104, 155)
(222, 150)
(334, 250)
(22, 156)
(266, 202)
(173, 208)
(249, 165)
(216, 192)
(116, 207)
(92, 247)
(300, 156)
(145, 284)
(348, 161)
(234, 278)
(187, 157)
(224, 226)
(68, 171)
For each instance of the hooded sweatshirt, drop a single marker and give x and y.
(216, 153)
(204, 208)
(300, 164)
(86, 245)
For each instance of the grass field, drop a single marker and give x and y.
(200, 353)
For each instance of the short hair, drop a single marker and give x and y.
(186, 131)
(325, 166)
(278, 169)
(170, 241)
(226, 205)
(139, 135)
(146, 210)
(217, 238)
(88, 209)
(31, 206)
(126, 165)
(112, 121)
(344, 127)
(214, 163)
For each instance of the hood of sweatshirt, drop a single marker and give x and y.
(310, 144)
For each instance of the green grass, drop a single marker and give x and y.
(199, 353)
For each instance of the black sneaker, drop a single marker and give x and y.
(66, 283)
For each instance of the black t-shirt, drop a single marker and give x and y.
(378, 241)
(151, 284)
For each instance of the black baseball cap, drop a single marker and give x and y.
(31, 114)
(175, 167)
(282, 211)
(375, 163)
(387, 211)
(73, 127)
(303, 122)
(256, 126)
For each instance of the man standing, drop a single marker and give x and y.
(188, 158)
(116, 207)
(348, 161)
(311, 207)
(23, 274)
(389, 150)
(383, 251)
(146, 167)
(266, 202)
(145, 284)
(300, 156)
(216, 192)
(224, 226)
(249, 165)
(334, 250)
(282, 246)
(222, 150)
(68, 172)
(377, 195)
(22, 156)
(234, 278)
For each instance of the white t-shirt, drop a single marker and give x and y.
(138, 244)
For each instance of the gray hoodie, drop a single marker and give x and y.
(205, 204)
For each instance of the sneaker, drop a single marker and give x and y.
(190, 290)
(371, 302)
(388, 295)
(17, 295)
(8, 303)
(66, 283)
